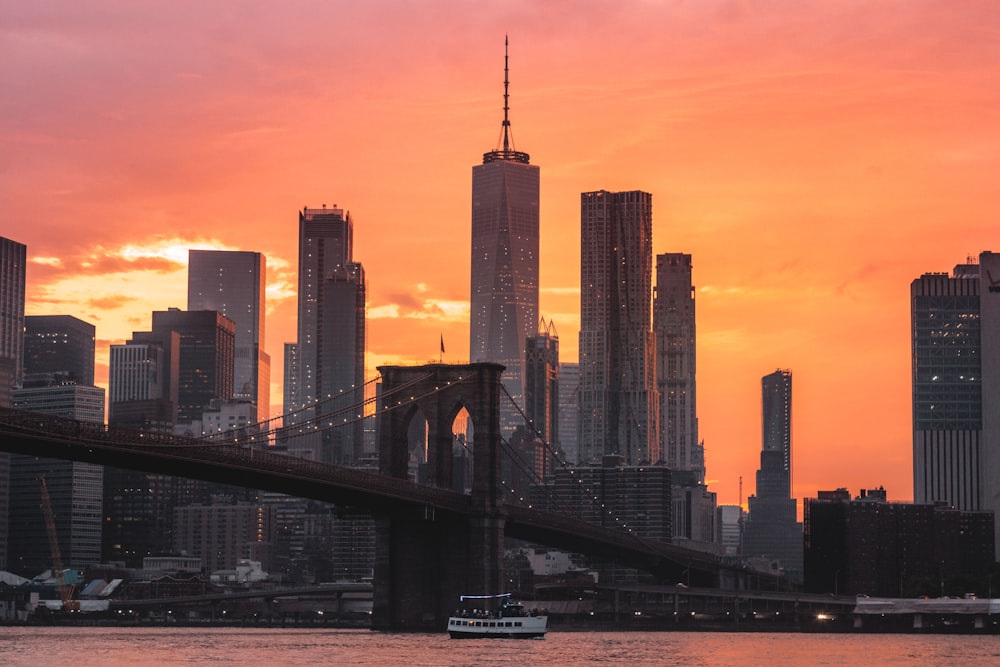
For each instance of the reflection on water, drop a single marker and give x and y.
(81, 647)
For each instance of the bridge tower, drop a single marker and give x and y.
(425, 559)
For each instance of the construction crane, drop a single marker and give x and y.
(65, 592)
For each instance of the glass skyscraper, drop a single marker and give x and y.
(504, 284)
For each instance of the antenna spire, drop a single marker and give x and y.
(506, 94)
(505, 147)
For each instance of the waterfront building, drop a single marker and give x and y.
(868, 546)
(771, 530)
(233, 283)
(223, 532)
(142, 394)
(618, 398)
(504, 276)
(955, 324)
(58, 380)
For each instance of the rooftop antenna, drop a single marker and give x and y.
(506, 94)
(505, 146)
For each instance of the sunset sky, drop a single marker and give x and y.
(814, 156)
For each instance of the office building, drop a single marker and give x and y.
(771, 531)
(504, 277)
(618, 398)
(206, 346)
(324, 371)
(956, 380)
(60, 345)
(233, 283)
(58, 380)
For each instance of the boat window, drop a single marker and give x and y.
(517, 624)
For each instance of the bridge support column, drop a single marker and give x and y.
(425, 560)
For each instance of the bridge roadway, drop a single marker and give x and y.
(312, 592)
(48, 436)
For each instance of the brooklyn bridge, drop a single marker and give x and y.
(433, 542)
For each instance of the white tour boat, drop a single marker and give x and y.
(507, 619)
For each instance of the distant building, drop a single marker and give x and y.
(771, 530)
(234, 283)
(569, 410)
(541, 392)
(872, 547)
(956, 380)
(730, 526)
(619, 401)
(505, 257)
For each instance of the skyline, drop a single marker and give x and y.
(813, 160)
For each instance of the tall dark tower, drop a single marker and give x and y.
(772, 530)
(504, 286)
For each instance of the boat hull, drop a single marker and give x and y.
(526, 627)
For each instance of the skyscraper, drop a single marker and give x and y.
(233, 283)
(956, 386)
(674, 326)
(504, 285)
(325, 384)
(772, 530)
(619, 402)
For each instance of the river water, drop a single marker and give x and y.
(82, 647)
